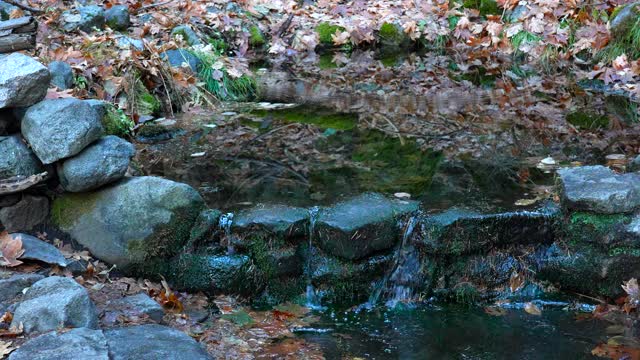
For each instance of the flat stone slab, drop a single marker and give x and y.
(279, 219)
(458, 232)
(136, 305)
(78, 344)
(599, 189)
(152, 342)
(36, 249)
(361, 226)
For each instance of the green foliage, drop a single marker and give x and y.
(116, 122)
(623, 41)
(587, 120)
(218, 46)
(486, 7)
(219, 83)
(325, 61)
(392, 35)
(256, 37)
(523, 37)
(325, 30)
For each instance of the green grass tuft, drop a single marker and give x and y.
(219, 83)
(116, 122)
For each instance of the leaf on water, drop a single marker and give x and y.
(516, 281)
(532, 309)
(10, 249)
(495, 311)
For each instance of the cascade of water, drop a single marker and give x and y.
(396, 284)
(224, 223)
(313, 301)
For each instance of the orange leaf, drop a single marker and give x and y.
(10, 249)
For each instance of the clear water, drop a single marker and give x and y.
(455, 333)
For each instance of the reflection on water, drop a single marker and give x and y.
(455, 333)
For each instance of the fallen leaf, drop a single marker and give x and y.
(532, 309)
(10, 249)
(5, 348)
(495, 311)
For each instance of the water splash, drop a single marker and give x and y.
(225, 222)
(312, 298)
(396, 285)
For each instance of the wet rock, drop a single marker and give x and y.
(135, 220)
(81, 343)
(84, 18)
(103, 162)
(361, 226)
(60, 128)
(23, 80)
(16, 159)
(136, 305)
(458, 232)
(205, 227)
(624, 20)
(36, 249)
(9, 200)
(126, 42)
(12, 286)
(55, 302)
(61, 74)
(599, 189)
(214, 274)
(285, 261)
(277, 219)
(392, 35)
(604, 230)
(182, 57)
(187, 34)
(26, 214)
(117, 17)
(154, 341)
(518, 13)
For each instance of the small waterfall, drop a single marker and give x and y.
(313, 301)
(224, 223)
(396, 286)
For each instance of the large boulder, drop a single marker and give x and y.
(156, 342)
(117, 17)
(30, 211)
(80, 344)
(61, 128)
(598, 189)
(135, 220)
(61, 74)
(84, 18)
(16, 159)
(55, 302)
(103, 162)
(23, 81)
(361, 226)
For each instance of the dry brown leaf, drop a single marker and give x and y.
(516, 281)
(10, 249)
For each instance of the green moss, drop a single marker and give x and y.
(583, 228)
(486, 7)
(587, 120)
(392, 35)
(70, 207)
(625, 38)
(256, 37)
(318, 117)
(524, 37)
(148, 104)
(325, 30)
(116, 122)
(220, 84)
(325, 61)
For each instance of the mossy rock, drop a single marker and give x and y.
(486, 7)
(116, 122)
(325, 30)
(136, 220)
(587, 120)
(256, 37)
(606, 230)
(392, 35)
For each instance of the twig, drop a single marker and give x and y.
(23, 7)
(284, 26)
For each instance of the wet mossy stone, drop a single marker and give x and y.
(277, 219)
(361, 226)
(256, 37)
(458, 232)
(215, 274)
(392, 35)
(205, 227)
(325, 31)
(117, 17)
(187, 34)
(605, 230)
(598, 189)
(133, 221)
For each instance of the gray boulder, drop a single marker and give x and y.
(156, 342)
(599, 189)
(117, 17)
(55, 302)
(78, 344)
(25, 214)
(280, 219)
(103, 162)
(187, 34)
(61, 74)
(23, 80)
(84, 18)
(60, 128)
(136, 305)
(179, 57)
(214, 274)
(361, 226)
(12, 286)
(135, 220)
(16, 159)
(36, 249)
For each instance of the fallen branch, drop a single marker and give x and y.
(20, 183)
(23, 7)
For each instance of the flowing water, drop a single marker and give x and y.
(312, 299)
